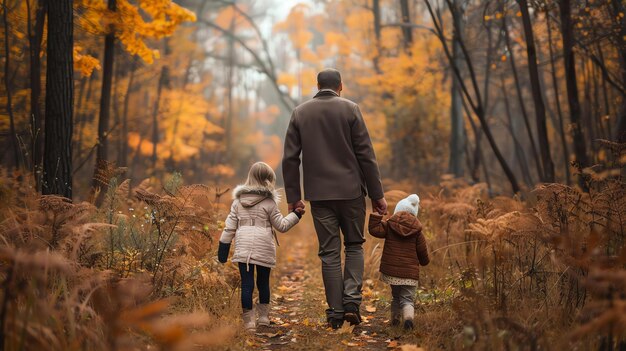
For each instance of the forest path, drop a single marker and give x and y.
(298, 304)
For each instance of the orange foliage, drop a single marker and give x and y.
(131, 27)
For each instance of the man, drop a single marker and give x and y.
(339, 169)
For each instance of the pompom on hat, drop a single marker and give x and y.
(409, 204)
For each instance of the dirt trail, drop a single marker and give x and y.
(298, 304)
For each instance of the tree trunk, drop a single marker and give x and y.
(540, 110)
(618, 10)
(555, 87)
(457, 135)
(519, 151)
(123, 156)
(57, 159)
(105, 107)
(567, 31)
(228, 121)
(377, 30)
(407, 31)
(7, 85)
(520, 98)
(479, 157)
(36, 126)
(163, 82)
(476, 104)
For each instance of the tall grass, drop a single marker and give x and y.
(118, 277)
(548, 272)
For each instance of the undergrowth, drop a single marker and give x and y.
(136, 271)
(547, 272)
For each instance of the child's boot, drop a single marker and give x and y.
(395, 314)
(408, 311)
(249, 322)
(263, 311)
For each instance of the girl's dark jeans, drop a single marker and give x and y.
(247, 284)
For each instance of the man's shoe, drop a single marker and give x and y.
(351, 313)
(335, 323)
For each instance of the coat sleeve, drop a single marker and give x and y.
(230, 225)
(282, 224)
(291, 161)
(422, 250)
(364, 152)
(377, 226)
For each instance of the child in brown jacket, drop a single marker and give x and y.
(405, 250)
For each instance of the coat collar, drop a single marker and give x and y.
(326, 92)
(258, 190)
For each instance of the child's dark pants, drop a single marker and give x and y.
(247, 284)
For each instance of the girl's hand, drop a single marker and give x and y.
(299, 211)
(222, 252)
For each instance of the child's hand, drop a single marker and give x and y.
(299, 211)
(222, 252)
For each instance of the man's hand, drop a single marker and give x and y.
(380, 206)
(293, 206)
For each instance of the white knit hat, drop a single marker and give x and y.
(409, 204)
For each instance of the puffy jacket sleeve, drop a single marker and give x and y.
(422, 250)
(377, 226)
(230, 225)
(282, 224)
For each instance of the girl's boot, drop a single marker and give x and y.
(263, 311)
(395, 314)
(249, 322)
(408, 311)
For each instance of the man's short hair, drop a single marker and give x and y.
(329, 78)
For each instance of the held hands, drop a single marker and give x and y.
(297, 208)
(292, 206)
(380, 206)
(299, 211)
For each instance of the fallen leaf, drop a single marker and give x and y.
(350, 344)
(370, 308)
(411, 347)
(346, 328)
(392, 344)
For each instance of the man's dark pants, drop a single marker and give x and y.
(329, 217)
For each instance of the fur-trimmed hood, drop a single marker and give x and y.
(249, 196)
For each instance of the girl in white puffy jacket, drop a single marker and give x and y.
(253, 215)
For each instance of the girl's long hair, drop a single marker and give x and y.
(261, 175)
